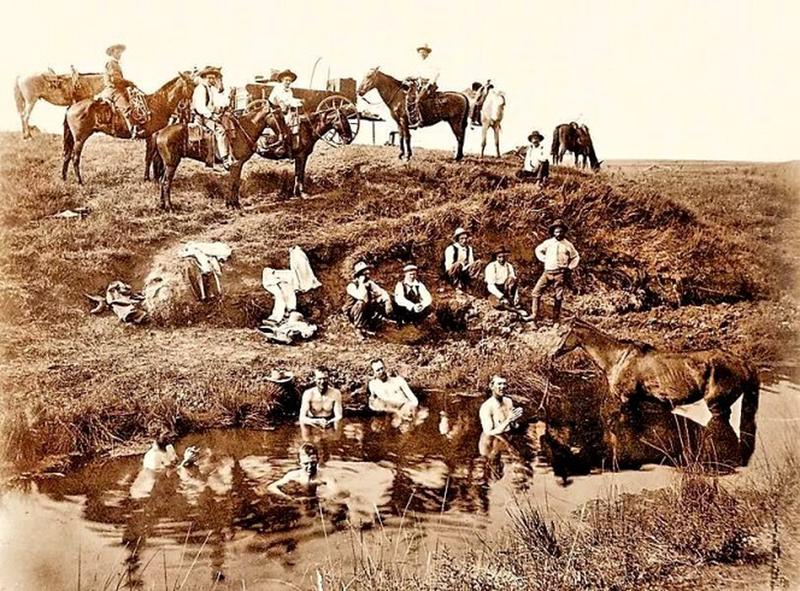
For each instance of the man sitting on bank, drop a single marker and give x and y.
(368, 303)
(501, 283)
(389, 393)
(460, 264)
(412, 299)
(498, 414)
(537, 164)
(321, 405)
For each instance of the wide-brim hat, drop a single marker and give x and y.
(556, 224)
(410, 267)
(459, 232)
(286, 73)
(502, 250)
(114, 47)
(535, 136)
(425, 47)
(280, 376)
(209, 70)
(360, 267)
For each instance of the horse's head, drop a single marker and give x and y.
(333, 122)
(369, 82)
(568, 340)
(341, 124)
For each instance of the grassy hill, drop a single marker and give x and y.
(681, 254)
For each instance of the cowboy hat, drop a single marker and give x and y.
(535, 136)
(285, 73)
(558, 222)
(209, 70)
(502, 250)
(459, 232)
(114, 47)
(280, 376)
(360, 267)
(409, 267)
(425, 47)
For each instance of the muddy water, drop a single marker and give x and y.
(393, 490)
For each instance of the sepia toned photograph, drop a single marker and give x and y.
(363, 296)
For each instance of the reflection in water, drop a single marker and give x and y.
(217, 521)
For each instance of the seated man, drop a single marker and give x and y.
(537, 164)
(208, 105)
(422, 83)
(460, 264)
(501, 283)
(286, 107)
(389, 394)
(498, 414)
(308, 475)
(115, 88)
(368, 303)
(321, 405)
(412, 299)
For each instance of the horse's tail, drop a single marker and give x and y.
(747, 423)
(158, 161)
(465, 116)
(554, 146)
(18, 97)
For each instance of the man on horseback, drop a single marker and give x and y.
(287, 107)
(208, 105)
(420, 85)
(479, 92)
(560, 258)
(115, 88)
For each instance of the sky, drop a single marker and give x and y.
(674, 79)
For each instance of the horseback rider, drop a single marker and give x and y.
(286, 104)
(115, 88)
(421, 84)
(208, 104)
(480, 92)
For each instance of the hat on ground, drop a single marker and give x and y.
(409, 267)
(209, 70)
(425, 47)
(502, 250)
(558, 223)
(459, 232)
(286, 73)
(535, 136)
(114, 47)
(360, 267)
(280, 376)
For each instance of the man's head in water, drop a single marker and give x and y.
(309, 460)
(321, 379)
(164, 438)
(379, 370)
(498, 386)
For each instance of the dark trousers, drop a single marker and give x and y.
(509, 290)
(367, 314)
(406, 316)
(460, 277)
(539, 174)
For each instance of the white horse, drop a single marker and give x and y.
(491, 114)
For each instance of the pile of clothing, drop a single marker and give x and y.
(204, 271)
(122, 301)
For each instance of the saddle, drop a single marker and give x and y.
(200, 143)
(415, 97)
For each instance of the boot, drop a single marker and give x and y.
(556, 312)
(284, 133)
(535, 310)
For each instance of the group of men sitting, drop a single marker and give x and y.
(368, 304)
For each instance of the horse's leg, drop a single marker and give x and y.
(166, 186)
(69, 143)
(299, 176)
(459, 127)
(236, 176)
(76, 158)
(484, 133)
(26, 117)
(403, 133)
(496, 128)
(149, 148)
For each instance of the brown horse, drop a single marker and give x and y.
(452, 107)
(576, 139)
(312, 128)
(61, 90)
(638, 372)
(89, 116)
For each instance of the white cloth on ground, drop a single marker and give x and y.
(283, 283)
(208, 256)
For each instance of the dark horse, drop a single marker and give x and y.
(312, 127)
(452, 107)
(639, 372)
(88, 116)
(576, 139)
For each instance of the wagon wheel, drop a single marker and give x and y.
(339, 102)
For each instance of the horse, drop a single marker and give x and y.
(88, 116)
(638, 372)
(452, 107)
(576, 139)
(492, 111)
(61, 90)
(311, 128)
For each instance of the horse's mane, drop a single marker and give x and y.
(642, 346)
(168, 83)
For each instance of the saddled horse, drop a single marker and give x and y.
(452, 107)
(312, 127)
(61, 90)
(639, 372)
(89, 116)
(571, 137)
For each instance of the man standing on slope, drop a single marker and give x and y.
(559, 258)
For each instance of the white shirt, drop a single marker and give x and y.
(400, 295)
(207, 99)
(497, 274)
(361, 292)
(455, 253)
(157, 459)
(427, 70)
(534, 156)
(284, 98)
(557, 254)
(394, 390)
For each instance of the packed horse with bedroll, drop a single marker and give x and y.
(253, 130)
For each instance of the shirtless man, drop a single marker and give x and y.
(498, 413)
(321, 405)
(389, 394)
(308, 475)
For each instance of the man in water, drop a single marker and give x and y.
(308, 476)
(498, 414)
(161, 454)
(389, 393)
(321, 405)
(560, 258)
